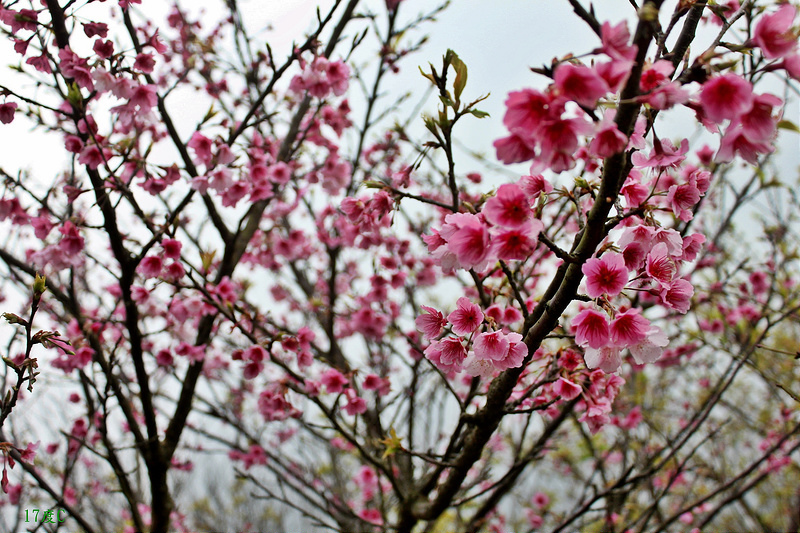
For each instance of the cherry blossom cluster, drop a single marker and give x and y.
(546, 127)
(655, 255)
(506, 229)
(322, 77)
(594, 391)
(491, 350)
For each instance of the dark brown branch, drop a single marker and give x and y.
(233, 253)
(488, 418)
(587, 17)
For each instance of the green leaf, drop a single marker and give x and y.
(582, 183)
(207, 259)
(788, 125)
(461, 74)
(430, 124)
(74, 95)
(432, 76)
(39, 284)
(373, 184)
(443, 121)
(211, 113)
(478, 113)
(392, 443)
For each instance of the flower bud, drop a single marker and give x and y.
(39, 285)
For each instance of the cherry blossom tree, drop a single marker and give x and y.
(263, 275)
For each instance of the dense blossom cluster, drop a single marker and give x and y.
(547, 127)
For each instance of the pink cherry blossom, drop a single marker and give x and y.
(273, 405)
(633, 190)
(773, 33)
(491, 346)
(666, 96)
(516, 243)
(73, 144)
(448, 354)
(431, 323)
(792, 65)
(29, 453)
(517, 351)
(759, 281)
(164, 358)
(527, 109)
(634, 254)
(144, 62)
(655, 75)
(255, 455)
(172, 248)
(607, 358)
(42, 225)
(72, 242)
(333, 381)
(628, 328)
(759, 124)
(382, 386)
(508, 208)
(535, 520)
(566, 390)
(144, 97)
(466, 318)
(726, 97)
(559, 142)
(659, 91)
(355, 404)
(677, 295)
(150, 266)
(607, 275)
(683, 198)
(615, 41)
(478, 367)
(192, 352)
(201, 146)
(534, 185)
(649, 349)
(671, 238)
(692, 244)
(664, 155)
(93, 157)
(614, 73)
(103, 49)
(735, 141)
(660, 265)
(173, 272)
(608, 140)
(7, 110)
(373, 516)
(631, 420)
(591, 328)
(514, 149)
(511, 315)
(580, 83)
(24, 19)
(468, 238)
(40, 63)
